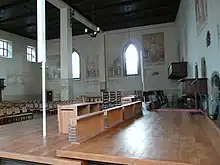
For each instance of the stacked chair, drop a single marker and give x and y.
(24, 110)
(13, 112)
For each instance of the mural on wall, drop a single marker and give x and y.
(153, 45)
(201, 15)
(92, 67)
(17, 78)
(114, 69)
(53, 67)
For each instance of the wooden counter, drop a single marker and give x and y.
(89, 126)
(69, 113)
(114, 116)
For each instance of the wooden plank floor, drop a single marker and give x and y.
(168, 136)
(23, 141)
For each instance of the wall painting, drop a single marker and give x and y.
(153, 49)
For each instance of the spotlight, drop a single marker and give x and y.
(97, 29)
(86, 30)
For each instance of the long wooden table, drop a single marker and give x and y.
(67, 114)
(86, 126)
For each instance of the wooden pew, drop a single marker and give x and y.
(72, 111)
(129, 110)
(88, 126)
(114, 116)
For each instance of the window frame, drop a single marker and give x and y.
(124, 59)
(78, 78)
(7, 49)
(31, 54)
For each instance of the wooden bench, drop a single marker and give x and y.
(87, 126)
(72, 111)
(114, 116)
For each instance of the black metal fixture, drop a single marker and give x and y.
(71, 17)
(97, 30)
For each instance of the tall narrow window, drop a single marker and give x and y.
(131, 60)
(76, 65)
(31, 54)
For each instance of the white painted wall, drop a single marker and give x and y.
(22, 78)
(193, 46)
(115, 42)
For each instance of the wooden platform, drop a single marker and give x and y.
(23, 141)
(167, 136)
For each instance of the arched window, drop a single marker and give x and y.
(196, 71)
(131, 60)
(76, 65)
(203, 67)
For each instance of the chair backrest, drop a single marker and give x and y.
(1, 112)
(51, 105)
(36, 105)
(24, 109)
(17, 110)
(9, 111)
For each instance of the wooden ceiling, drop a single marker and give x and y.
(20, 16)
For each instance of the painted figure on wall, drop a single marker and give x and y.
(53, 67)
(114, 70)
(201, 15)
(92, 68)
(153, 45)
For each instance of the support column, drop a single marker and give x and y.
(142, 71)
(66, 54)
(102, 64)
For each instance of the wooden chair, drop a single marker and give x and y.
(36, 106)
(17, 114)
(26, 114)
(9, 115)
(1, 116)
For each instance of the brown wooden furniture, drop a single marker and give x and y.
(138, 107)
(69, 113)
(84, 127)
(114, 116)
(129, 110)
(88, 126)
(177, 70)
(192, 86)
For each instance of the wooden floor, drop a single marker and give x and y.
(23, 141)
(167, 136)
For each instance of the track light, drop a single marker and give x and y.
(97, 29)
(86, 30)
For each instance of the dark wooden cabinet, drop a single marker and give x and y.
(192, 86)
(177, 70)
(2, 86)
